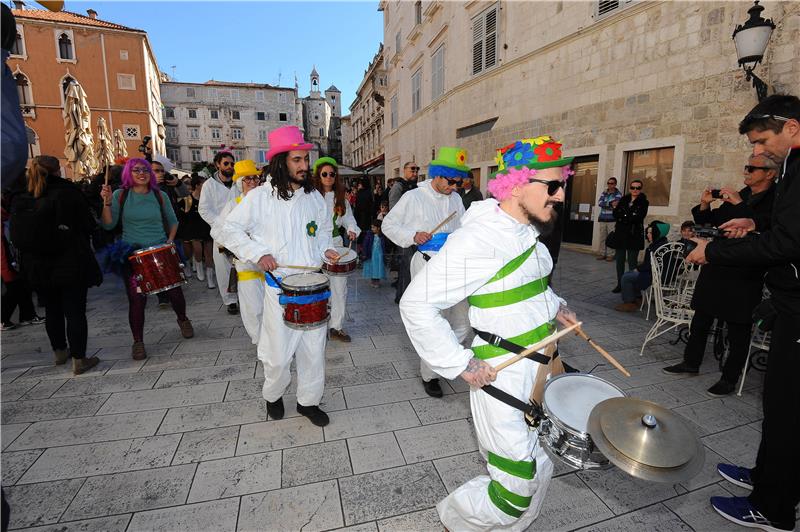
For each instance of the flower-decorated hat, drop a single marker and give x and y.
(244, 168)
(536, 153)
(451, 162)
(323, 161)
(285, 139)
(517, 163)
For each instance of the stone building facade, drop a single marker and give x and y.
(648, 90)
(114, 64)
(322, 114)
(367, 116)
(200, 117)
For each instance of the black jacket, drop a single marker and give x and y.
(731, 292)
(468, 197)
(630, 215)
(777, 248)
(363, 210)
(73, 260)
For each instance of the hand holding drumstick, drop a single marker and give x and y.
(568, 318)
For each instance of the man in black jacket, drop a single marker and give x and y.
(773, 128)
(729, 293)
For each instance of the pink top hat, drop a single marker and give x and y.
(285, 139)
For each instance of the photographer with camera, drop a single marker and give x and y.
(729, 293)
(145, 149)
(773, 128)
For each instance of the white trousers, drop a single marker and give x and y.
(251, 300)
(222, 268)
(502, 500)
(277, 344)
(338, 295)
(457, 316)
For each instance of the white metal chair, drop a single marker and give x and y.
(672, 255)
(759, 341)
(672, 298)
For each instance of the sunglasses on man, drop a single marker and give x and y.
(634, 187)
(414, 168)
(453, 181)
(749, 168)
(552, 185)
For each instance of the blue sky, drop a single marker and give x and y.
(255, 41)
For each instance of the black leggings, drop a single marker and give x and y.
(18, 293)
(66, 318)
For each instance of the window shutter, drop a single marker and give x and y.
(605, 6)
(477, 45)
(490, 43)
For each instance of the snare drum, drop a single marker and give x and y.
(157, 269)
(344, 266)
(568, 400)
(305, 300)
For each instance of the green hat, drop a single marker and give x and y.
(324, 160)
(537, 153)
(451, 162)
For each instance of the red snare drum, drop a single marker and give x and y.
(344, 266)
(157, 269)
(305, 299)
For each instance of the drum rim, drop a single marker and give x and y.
(560, 424)
(306, 288)
(326, 260)
(147, 250)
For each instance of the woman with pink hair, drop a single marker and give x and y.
(147, 220)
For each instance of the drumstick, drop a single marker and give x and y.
(603, 352)
(443, 222)
(108, 168)
(538, 345)
(295, 267)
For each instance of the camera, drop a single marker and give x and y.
(145, 149)
(703, 231)
(716, 193)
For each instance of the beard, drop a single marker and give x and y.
(299, 178)
(544, 227)
(227, 172)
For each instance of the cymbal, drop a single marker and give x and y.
(646, 440)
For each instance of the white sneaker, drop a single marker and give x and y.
(198, 268)
(210, 278)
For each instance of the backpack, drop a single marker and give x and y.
(33, 227)
(123, 196)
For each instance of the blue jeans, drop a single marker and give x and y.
(629, 290)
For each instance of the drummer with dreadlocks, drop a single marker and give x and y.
(277, 225)
(495, 260)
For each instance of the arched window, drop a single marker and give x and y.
(65, 47)
(18, 48)
(23, 89)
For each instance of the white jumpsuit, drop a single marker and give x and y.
(213, 199)
(297, 232)
(515, 304)
(422, 209)
(250, 284)
(339, 282)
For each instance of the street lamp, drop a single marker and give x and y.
(751, 39)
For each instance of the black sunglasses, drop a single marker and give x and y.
(750, 168)
(414, 168)
(453, 181)
(771, 117)
(328, 174)
(552, 185)
(636, 188)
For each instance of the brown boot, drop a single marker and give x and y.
(82, 365)
(61, 356)
(627, 307)
(187, 331)
(137, 351)
(340, 335)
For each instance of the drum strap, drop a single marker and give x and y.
(508, 399)
(502, 343)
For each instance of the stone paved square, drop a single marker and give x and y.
(182, 441)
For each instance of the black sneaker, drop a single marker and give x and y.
(721, 389)
(680, 369)
(275, 410)
(617, 289)
(314, 414)
(233, 308)
(433, 388)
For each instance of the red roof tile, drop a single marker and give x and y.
(68, 18)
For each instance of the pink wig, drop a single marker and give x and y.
(127, 175)
(501, 186)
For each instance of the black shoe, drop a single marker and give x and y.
(233, 308)
(397, 301)
(433, 388)
(314, 414)
(721, 389)
(617, 289)
(275, 410)
(680, 369)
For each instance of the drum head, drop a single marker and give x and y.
(307, 280)
(345, 255)
(571, 397)
(151, 249)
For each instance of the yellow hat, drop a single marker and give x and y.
(244, 168)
